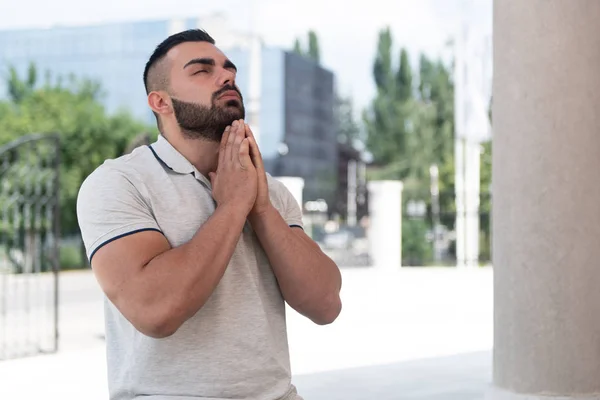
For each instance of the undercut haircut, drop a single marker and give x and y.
(156, 73)
(156, 76)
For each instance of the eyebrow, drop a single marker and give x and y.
(210, 61)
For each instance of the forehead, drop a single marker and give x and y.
(185, 52)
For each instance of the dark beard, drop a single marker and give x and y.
(198, 121)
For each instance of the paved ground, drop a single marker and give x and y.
(460, 377)
(422, 334)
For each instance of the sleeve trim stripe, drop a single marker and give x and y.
(296, 226)
(119, 237)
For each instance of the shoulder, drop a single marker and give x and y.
(286, 188)
(113, 172)
(117, 179)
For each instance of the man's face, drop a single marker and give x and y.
(203, 91)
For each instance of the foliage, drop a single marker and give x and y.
(390, 121)
(298, 47)
(73, 110)
(410, 127)
(313, 50)
(70, 257)
(416, 249)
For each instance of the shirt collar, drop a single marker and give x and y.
(166, 154)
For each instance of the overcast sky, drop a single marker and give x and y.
(347, 28)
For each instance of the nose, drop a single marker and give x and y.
(226, 77)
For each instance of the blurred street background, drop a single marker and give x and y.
(377, 118)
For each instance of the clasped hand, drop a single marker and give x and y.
(240, 179)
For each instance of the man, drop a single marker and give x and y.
(197, 248)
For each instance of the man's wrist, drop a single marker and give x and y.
(258, 215)
(233, 211)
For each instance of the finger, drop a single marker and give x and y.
(244, 154)
(229, 150)
(239, 138)
(254, 153)
(254, 150)
(242, 128)
(249, 132)
(223, 146)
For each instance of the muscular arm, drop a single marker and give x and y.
(156, 287)
(309, 280)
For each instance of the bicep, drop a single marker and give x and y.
(117, 264)
(118, 228)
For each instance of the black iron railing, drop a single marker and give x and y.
(29, 239)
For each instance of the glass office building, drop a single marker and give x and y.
(114, 55)
(296, 96)
(298, 133)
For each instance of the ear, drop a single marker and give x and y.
(159, 102)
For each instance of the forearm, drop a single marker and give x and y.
(180, 280)
(309, 280)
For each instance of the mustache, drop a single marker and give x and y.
(225, 89)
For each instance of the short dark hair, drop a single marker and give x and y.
(161, 80)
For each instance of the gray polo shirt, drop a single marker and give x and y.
(236, 346)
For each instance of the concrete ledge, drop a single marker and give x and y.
(499, 394)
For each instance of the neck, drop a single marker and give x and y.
(201, 153)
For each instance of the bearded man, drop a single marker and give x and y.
(196, 248)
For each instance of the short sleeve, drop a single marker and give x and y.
(109, 207)
(288, 206)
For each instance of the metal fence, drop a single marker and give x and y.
(29, 259)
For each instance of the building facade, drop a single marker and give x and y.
(113, 55)
(310, 128)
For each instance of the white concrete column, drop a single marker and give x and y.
(471, 203)
(385, 224)
(546, 117)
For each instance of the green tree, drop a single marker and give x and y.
(436, 90)
(416, 250)
(404, 81)
(88, 135)
(298, 47)
(382, 67)
(313, 52)
(19, 89)
(411, 127)
(313, 47)
(390, 120)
